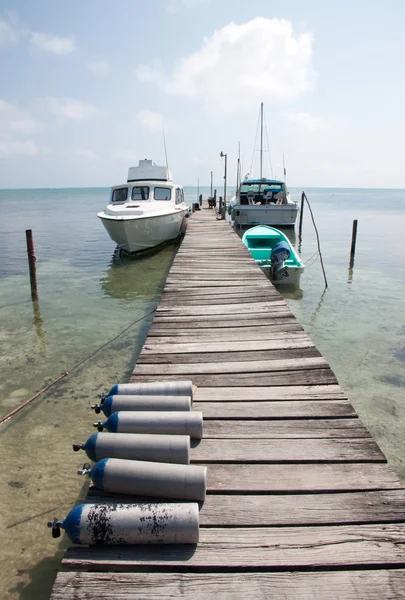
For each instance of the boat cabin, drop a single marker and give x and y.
(147, 181)
(146, 190)
(262, 192)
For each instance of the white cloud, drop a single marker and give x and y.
(7, 33)
(99, 67)
(151, 120)
(15, 122)
(87, 154)
(52, 43)
(72, 109)
(307, 123)
(241, 65)
(10, 147)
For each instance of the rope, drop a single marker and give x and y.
(66, 373)
(317, 239)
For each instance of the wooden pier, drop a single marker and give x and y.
(301, 503)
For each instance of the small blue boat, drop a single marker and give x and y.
(272, 250)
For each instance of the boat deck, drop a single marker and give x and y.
(301, 502)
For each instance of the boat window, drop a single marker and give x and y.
(140, 192)
(179, 198)
(162, 193)
(120, 195)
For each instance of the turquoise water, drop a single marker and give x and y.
(88, 295)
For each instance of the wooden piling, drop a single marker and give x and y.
(353, 246)
(301, 214)
(32, 264)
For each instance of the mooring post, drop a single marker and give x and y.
(220, 206)
(200, 199)
(32, 264)
(353, 248)
(301, 214)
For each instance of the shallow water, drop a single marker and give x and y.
(88, 296)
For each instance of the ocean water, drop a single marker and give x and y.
(95, 306)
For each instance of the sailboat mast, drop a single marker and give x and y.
(238, 169)
(261, 140)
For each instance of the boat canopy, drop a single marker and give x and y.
(148, 171)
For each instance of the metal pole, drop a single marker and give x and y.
(301, 214)
(198, 188)
(261, 140)
(353, 248)
(211, 183)
(31, 262)
(224, 205)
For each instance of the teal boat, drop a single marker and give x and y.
(272, 250)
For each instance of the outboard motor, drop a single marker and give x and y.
(279, 254)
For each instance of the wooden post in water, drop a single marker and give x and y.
(353, 248)
(301, 214)
(32, 264)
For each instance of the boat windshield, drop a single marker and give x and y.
(140, 192)
(274, 186)
(120, 194)
(162, 193)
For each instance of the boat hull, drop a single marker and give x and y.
(282, 216)
(293, 278)
(141, 233)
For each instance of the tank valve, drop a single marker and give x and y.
(102, 397)
(85, 470)
(99, 426)
(56, 525)
(77, 447)
(96, 408)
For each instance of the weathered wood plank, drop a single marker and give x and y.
(300, 478)
(181, 283)
(288, 509)
(332, 409)
(224, 320)
(312, 377)
(289, 429)
(220, 309)
(252, 300)
(229, 335)
(290, 392)
(286, 451)
(157, 330)
(290, 340)
(323, 585)
(227, 356)
(246, 548)
(262, 366)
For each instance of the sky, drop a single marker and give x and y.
(87, 86)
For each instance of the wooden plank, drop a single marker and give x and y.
(372, 584)
(224, 320)
(258, 394)
(220, 309)
(289, 429)
(291, 340)
(217, 301)
(181, 283)
(279, 328)
(171, 290)
(262, 366)
(287, 509)
(284, 548)
(300, 478)
(332, 409)
(227, 356)
(312, 377)
(227, 334)
(286, 451)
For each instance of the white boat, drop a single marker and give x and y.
(263, 201)
(147, 210)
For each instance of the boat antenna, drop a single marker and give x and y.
(285, 172)
(268, 148)
(164, 144)
(261, 140)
